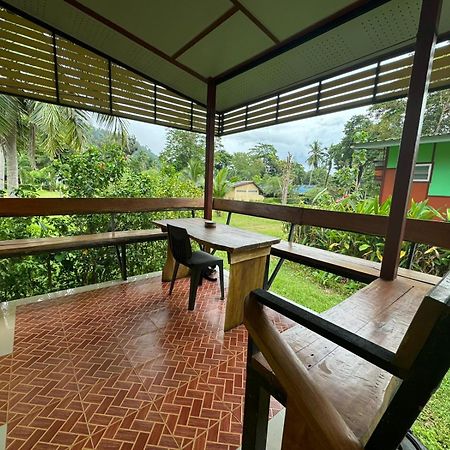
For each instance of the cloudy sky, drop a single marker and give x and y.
(291, 137)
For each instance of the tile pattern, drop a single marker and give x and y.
(126, 367)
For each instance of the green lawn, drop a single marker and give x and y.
(42, 193)
(318, 291)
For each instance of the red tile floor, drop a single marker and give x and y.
(125, 367)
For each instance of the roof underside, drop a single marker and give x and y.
(174, 47)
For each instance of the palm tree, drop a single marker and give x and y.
(194, 171)
(329, 159)
(55, 127)
(221, 183)
(316, 156)
(11, 113)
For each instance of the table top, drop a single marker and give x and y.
(221, 237)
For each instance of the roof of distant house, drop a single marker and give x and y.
(392, 142)
(243, 183)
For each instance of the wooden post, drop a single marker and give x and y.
(415, 108)
(209, 154)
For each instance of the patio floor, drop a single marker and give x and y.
(125, 367)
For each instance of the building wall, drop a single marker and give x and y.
(437, 190)
(247, 192)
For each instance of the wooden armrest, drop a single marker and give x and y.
(318, 425)
(359, 346)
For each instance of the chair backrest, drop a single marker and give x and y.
(425, 353)
(179, 243)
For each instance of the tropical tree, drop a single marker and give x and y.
(25, 123)
(286, 178)
(194, 171)
(221, 184)
(331, 153)
(11, 113)
(316, 157)
(182, 146)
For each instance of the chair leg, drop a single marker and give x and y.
(196, 274)
(222, 287)
(174, 276)
(256, 413)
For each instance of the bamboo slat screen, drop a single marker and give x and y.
(378, 82)
(38, 64)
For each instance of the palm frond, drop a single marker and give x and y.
(11, 109)
(116, 125)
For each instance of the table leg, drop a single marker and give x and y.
(167, 271)
(245, 276)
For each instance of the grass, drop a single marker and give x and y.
(319, 291)
(42, 193)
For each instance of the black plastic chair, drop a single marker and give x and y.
(198, 262)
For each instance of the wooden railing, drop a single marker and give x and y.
(420, 231)
(27, 207)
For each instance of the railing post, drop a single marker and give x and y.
(209, 153)
(415, 108)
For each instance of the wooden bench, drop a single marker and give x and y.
(354, 377)
(347, 266)
(117, 239)
(30, 207)
(417, 231)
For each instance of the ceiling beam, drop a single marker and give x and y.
(256, 21)
(343, 16)
(132, 37)
(205, 32)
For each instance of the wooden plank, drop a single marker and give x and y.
(421, 231)
(22, 247)
(246, 275)
(27, 207)
(381, 313)
(319, 425)
(136, 112)
(344, 265)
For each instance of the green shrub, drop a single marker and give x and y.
(97, 172)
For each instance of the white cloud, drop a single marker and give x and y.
(293, 137)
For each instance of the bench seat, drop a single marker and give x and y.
(380, 312)
(347, 266)
(23, 247)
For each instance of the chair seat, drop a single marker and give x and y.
(202, 258)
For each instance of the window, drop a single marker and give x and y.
(422, 172)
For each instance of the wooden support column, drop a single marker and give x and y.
(415, 108)
(209, 154)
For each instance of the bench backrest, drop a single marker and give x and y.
(428, 232)
(424, 354)
(27, 207)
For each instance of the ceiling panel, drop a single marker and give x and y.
(288, 17)
(165, 24)
(390, 27)
(225, 46)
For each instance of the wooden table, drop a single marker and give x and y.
(247, 254)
